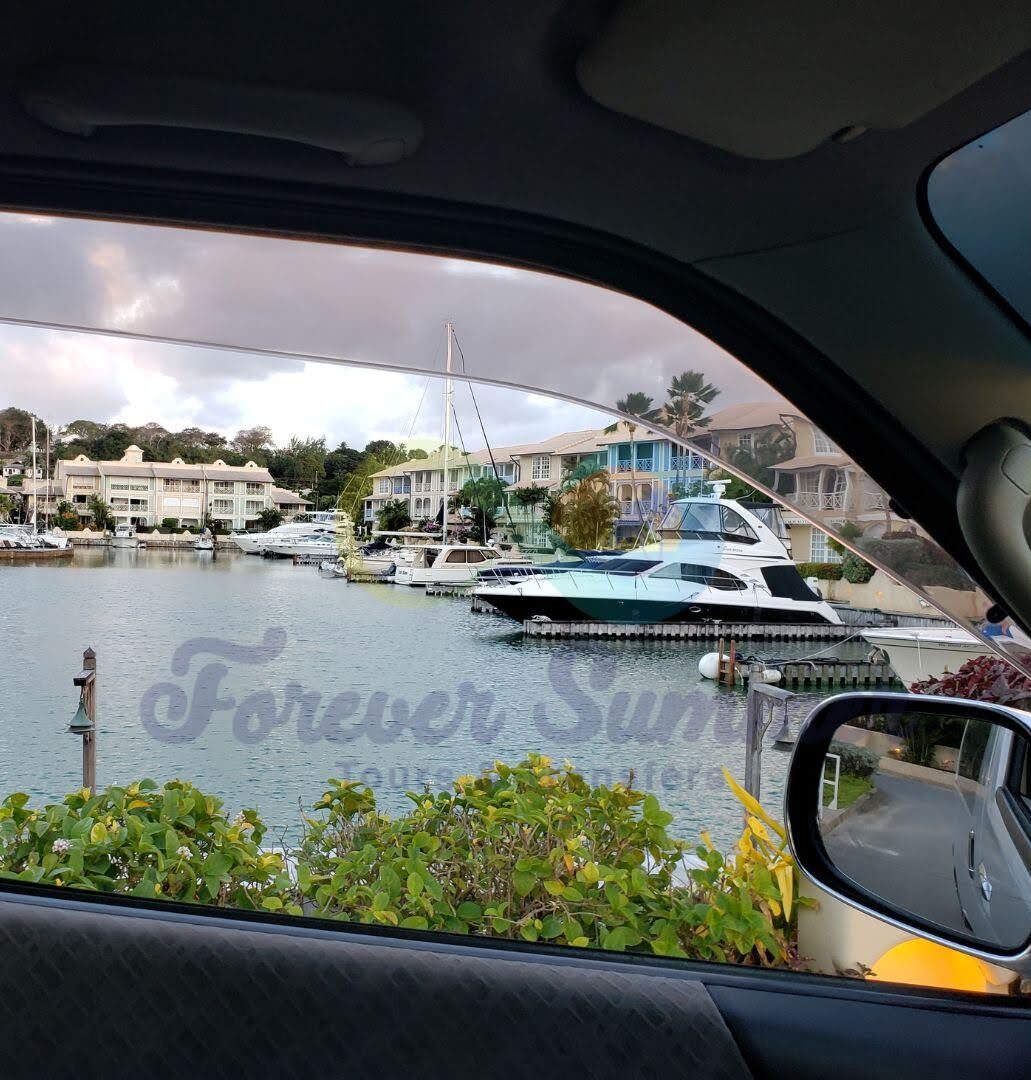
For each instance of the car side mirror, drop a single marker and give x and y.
(917, 810)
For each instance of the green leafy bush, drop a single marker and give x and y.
(170, 523)
(918, 560)
(172, 842)
(825, 571)
(528, 851)
(855, 760)
(856, 570)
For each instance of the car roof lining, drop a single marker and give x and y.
(765, 81)
(518, 163)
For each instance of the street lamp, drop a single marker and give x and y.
(84, 722)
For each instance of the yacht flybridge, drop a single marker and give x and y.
(716, 559)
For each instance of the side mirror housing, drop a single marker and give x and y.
(917, 810)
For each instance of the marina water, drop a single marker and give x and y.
(257, 680)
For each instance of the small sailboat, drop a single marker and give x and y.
(205, 542)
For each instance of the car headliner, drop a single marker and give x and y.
(820, 271)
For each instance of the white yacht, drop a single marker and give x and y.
(125, 536)
(204, 542)
(716, 559)
(311, 543)
(928, 652)
(451, 564)
(324, 522)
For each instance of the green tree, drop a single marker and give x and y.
(640, 405)
(254, 441)
(767, 450)
(585, 512)
(393, 516)
(100, 512)
(531, 497)
(269, 518)
(483, 497)
(67, 518)
(687, 397)
(6, 506)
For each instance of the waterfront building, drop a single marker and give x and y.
(142, 492)
(290, 503)
(647, 472)
(814, 472)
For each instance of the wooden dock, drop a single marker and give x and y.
(481, 607)
(448, 590)
(14, 555)
(700, 631)
(815, 674)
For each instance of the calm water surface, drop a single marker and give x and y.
(257, 680)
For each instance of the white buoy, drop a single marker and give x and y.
(709, 665)
(770, 675)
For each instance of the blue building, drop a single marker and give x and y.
(646, 474)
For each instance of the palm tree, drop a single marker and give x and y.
(585, 511)
(640, 405)
(687, 396)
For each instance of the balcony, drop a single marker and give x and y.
(685, 462)
(624, 466)
(875, 500)
(819, 500)
(644, 464)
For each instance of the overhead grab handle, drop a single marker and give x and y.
(993, 504)
(363, 129)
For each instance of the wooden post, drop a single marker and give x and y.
(759, 707)
(87, 681)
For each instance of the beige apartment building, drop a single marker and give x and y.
(818, 477)
(146, 492)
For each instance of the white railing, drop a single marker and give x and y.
(819, 500)
(830, 783)
(875, 500)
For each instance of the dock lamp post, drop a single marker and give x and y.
(84, 722)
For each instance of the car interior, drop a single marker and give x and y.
(756, 172)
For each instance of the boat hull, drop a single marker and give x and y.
(617, 609)
(926, 655)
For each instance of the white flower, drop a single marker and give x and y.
(61, 846)
(183, 852)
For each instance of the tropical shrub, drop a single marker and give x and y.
(172, 842)
(169, 523)
(528, 851)
(825, 571)
(855, 760)
(917, 559)
(855, 569)
(983, 678)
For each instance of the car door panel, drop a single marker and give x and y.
(86, 984)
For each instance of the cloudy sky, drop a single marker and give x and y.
(143, 287)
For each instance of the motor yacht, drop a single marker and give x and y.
(715, 559)
(322, 543)
(124, 536)
(322, 522)
(452, 564)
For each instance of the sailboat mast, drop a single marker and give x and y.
(49, 489)
(35, 490)
(447, 430)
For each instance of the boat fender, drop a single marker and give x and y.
(709, 665)
(770, 675)
(540, 618)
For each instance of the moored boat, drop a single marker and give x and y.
(716, 559)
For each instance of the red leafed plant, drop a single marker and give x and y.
(985, 678)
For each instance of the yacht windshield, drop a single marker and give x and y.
(705, 521)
